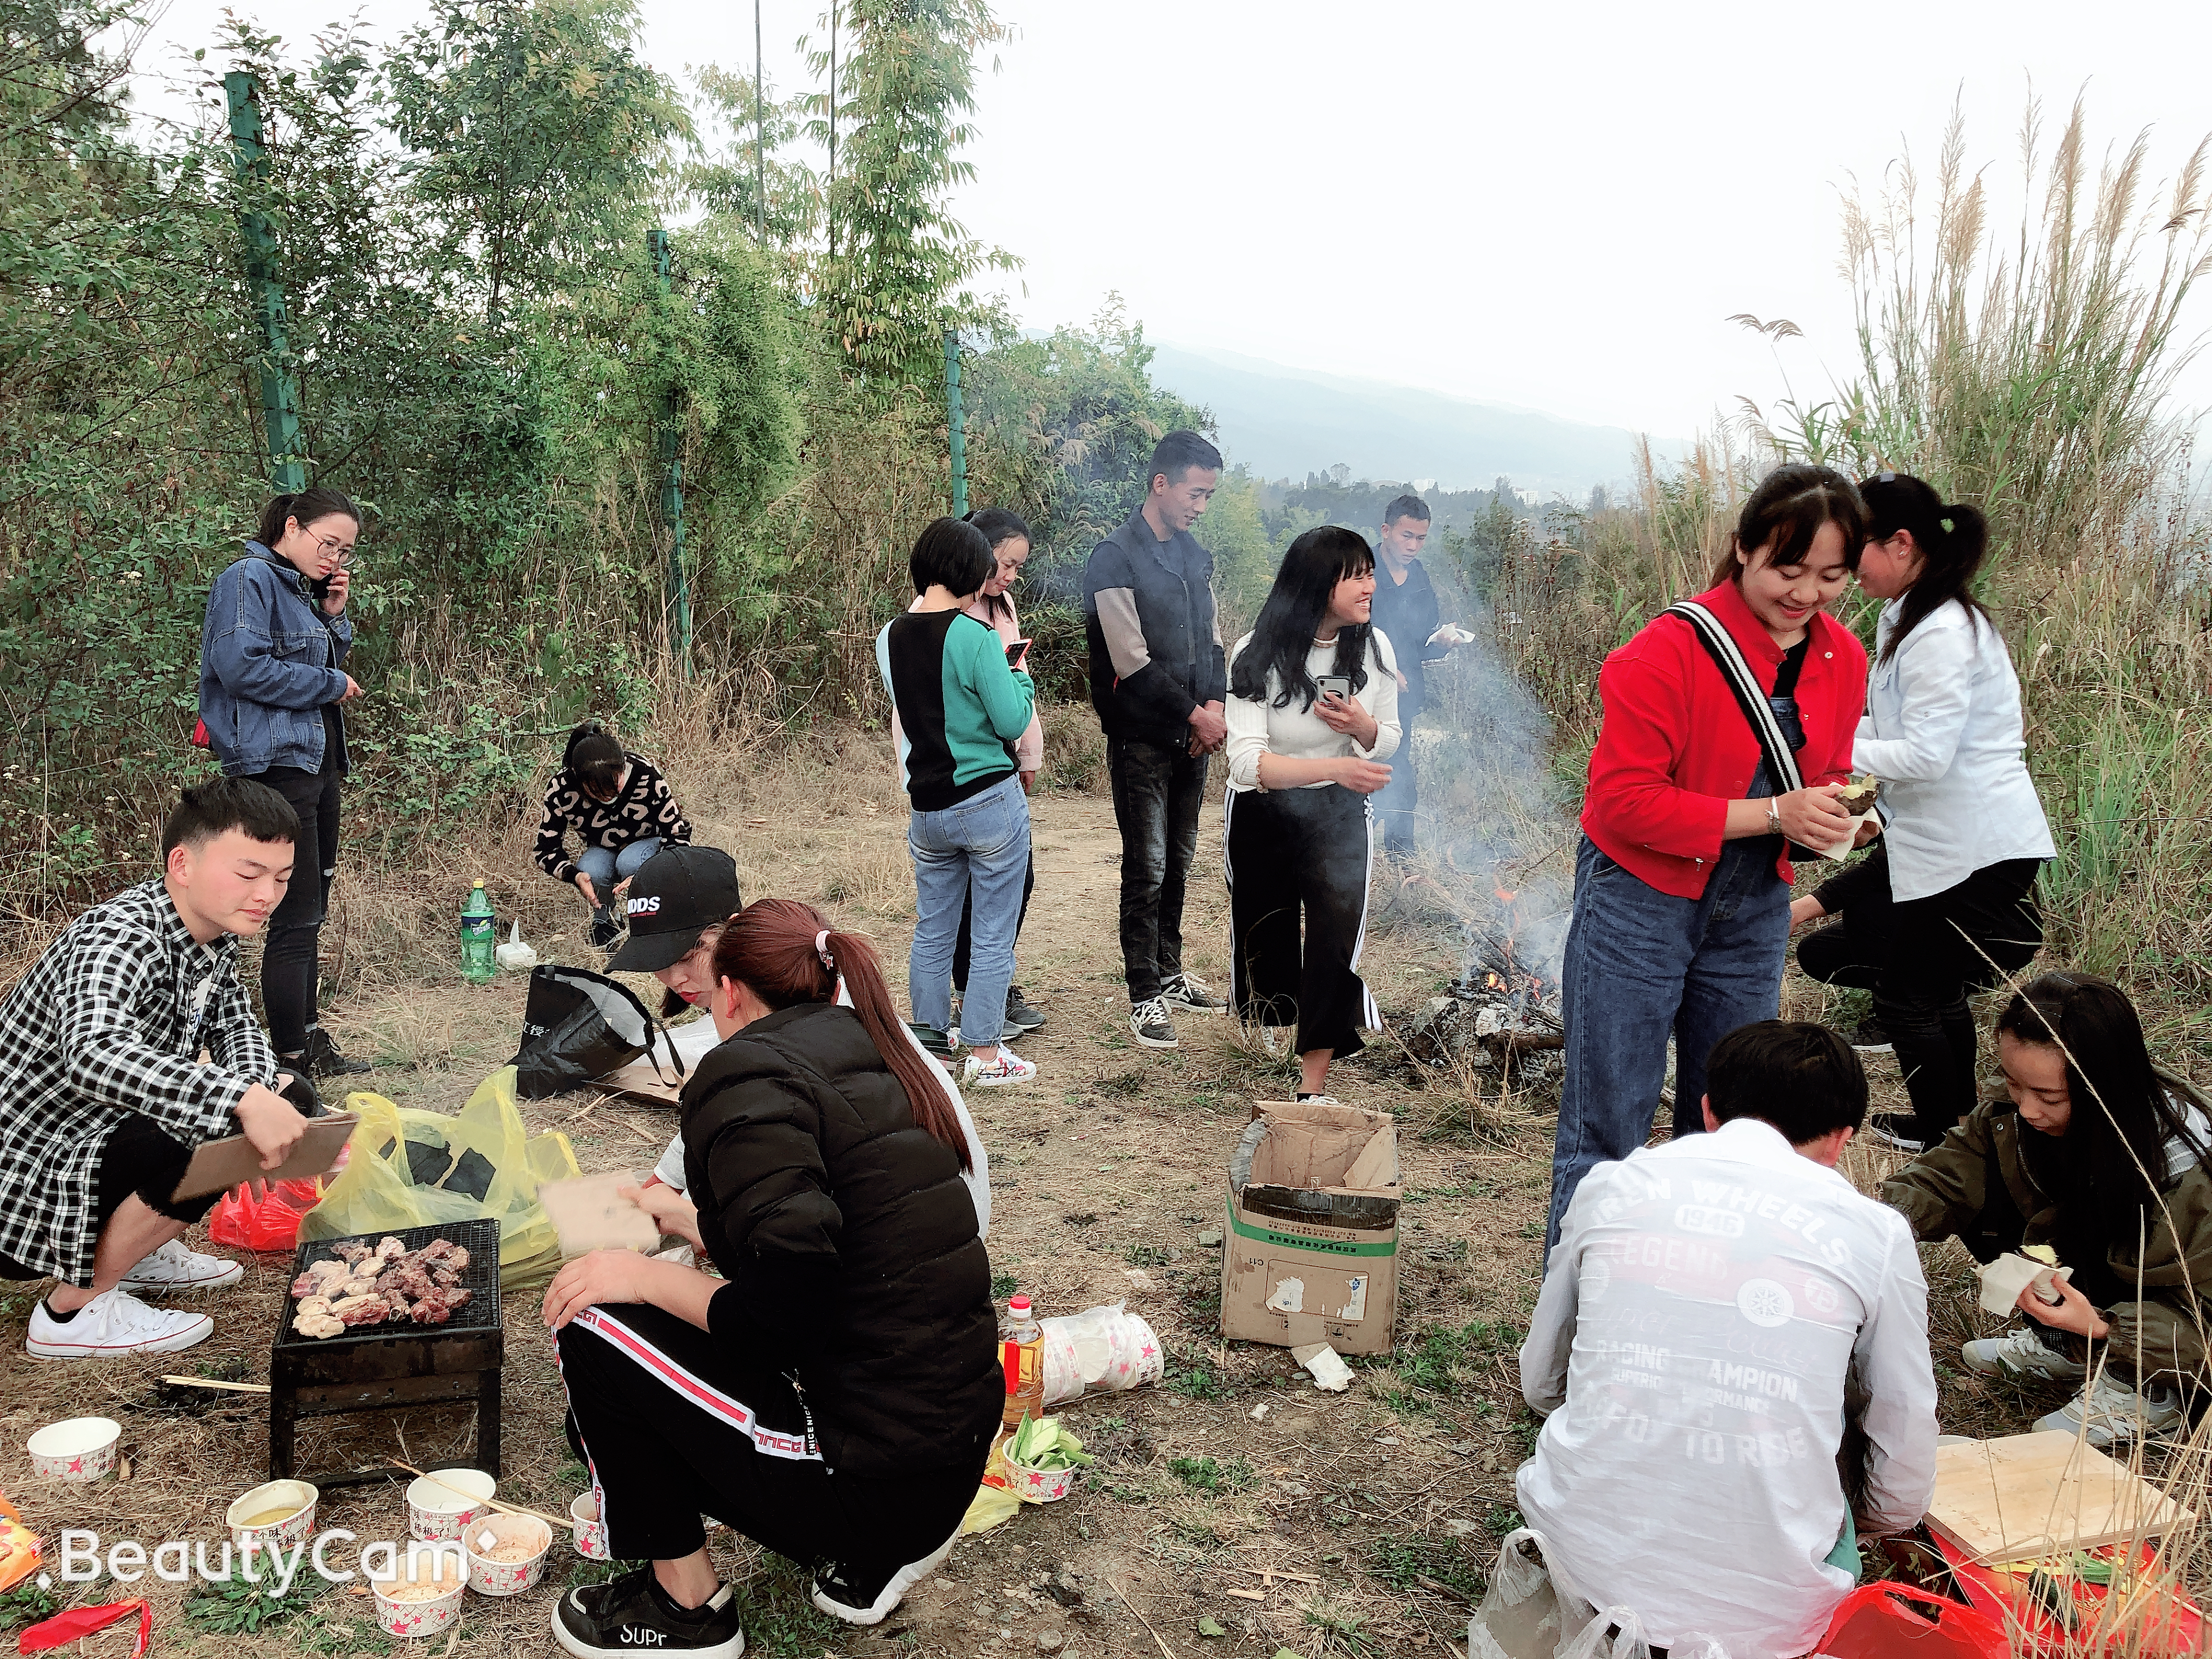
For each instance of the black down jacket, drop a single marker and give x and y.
(849, 1242)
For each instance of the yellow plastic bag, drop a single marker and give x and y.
(410, 1168)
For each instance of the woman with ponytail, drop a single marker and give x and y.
(272, 690)
(1946, 903)
(834, 1393)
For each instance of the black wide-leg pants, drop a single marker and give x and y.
(1300, 856)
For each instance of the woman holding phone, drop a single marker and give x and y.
(1313, 716)
(272, 690)
(1726, 738)
(1947, 902)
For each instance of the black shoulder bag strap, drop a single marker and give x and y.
(1720, 645)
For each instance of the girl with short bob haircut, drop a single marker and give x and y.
(833, 1395)
(1946, 903)
(1682, 882)
(1298, 826)
(2101, 1154)
(272, 692)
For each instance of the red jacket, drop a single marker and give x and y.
(1675, 748)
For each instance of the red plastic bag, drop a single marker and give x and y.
(64, 1628)
(264, 1224)
(1892, 1620)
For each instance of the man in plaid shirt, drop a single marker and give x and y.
(102, 1095)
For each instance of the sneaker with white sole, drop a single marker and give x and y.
(1192, 996)
(1898, 1131)
(632, 1613)
(2111, 1414)
(2021, 1354)
(1148, 1024)
(866, 1596)
(113, 1322)
(1869, 1038)
(173, 1267)
(1008, 1067)
(1022, 1018)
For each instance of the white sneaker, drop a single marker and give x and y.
(1008, 1067)
(173, 1267)
(113, 1322)
(2113, 1414)
(2021, 1353)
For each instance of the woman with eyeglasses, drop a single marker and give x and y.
(272, 686)
(1945, 904)
(2099, 1153)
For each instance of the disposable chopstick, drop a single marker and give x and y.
(490, 1502)
(213, 1382)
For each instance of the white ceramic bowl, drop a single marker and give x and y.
(429, 1615)
(79, 1449)
(591, 1531)
(442, 1503)
(489, 1577)
(298, 1496)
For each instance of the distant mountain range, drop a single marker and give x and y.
(1286, 422)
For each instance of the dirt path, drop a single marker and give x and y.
(1383, 1505)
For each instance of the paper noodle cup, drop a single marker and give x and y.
(441, 1502)
(505, 1532)
(78, 1449)
(298, 1496)
(591, 1531)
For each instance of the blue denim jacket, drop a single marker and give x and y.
(269, 664)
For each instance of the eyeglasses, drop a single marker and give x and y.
(339, 553)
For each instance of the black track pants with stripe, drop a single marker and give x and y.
(1294, 854)
(665, 1422)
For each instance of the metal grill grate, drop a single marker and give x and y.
(481, 1313)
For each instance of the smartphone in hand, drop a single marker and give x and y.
(1018, 654)
(1334, 685)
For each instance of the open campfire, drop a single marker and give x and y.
(1501, 1011)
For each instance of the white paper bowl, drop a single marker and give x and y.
(442, 1503)
(426, 1617)
(507, 1578)
(275, 1494)
(591, 1532)
(79, 1449)
(1039, 1485)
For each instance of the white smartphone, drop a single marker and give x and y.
(1334, 685)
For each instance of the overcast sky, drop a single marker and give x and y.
(1551, 206)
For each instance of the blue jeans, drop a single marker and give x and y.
(976, 854)
(606, 866)
(1641, 964)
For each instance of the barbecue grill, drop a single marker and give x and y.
(389, 1367)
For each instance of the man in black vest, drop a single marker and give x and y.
(1159, 678)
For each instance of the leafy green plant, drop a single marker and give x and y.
(1406, 1562)
(24, 1605)
(1208, 1475)
(238, 1605)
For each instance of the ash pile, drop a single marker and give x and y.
(1495, 1017)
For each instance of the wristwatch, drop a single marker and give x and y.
(1773, 819)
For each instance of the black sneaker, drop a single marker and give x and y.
(633, 1614)
(1192, 996)
(1869, 1038)
(932, 1039)
(1898, 1131)
(866, 1596)
(1149, 1023)
(605, 930)
(1021, 1018)
(323, 1059)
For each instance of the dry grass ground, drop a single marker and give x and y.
(1387, 1500)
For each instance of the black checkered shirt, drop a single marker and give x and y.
(111, 1019)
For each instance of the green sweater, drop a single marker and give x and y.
(961, 707)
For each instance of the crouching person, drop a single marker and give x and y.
(834, 1395)
(2099, 1154)
(1701, 1313)
(102, 1098)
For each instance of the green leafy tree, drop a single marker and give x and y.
(727, 180)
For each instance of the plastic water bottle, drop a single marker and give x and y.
(1022, 1353)
(478, 937)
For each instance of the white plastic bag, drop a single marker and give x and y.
(1528, 1614)
(1106, 1348)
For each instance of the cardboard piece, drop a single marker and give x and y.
(219, 1166)
(2029, 1495)
(1312, 1255)
(590, 1214)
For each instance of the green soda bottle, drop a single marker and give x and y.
(477, 938)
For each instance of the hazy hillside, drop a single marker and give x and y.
(1286, 422)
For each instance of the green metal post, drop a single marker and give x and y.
(955, 423)
(280, 391)
(672, 484)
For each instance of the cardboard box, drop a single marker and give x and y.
(1310, 1254)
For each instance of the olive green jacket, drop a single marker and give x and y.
(1959, 1188)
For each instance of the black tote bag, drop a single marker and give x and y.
(578, 1025)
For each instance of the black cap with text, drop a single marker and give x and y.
(681, 891)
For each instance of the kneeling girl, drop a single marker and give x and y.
(834, 1395)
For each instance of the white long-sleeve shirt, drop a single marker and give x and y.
(1699, 1316)
(1257, 728)
(1943, 732)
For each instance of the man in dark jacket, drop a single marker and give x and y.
(1406, 612)
(1158, 677)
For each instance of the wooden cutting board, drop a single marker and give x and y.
(2026, 1495)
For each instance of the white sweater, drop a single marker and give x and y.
(1257, 728)
(1943, 732)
